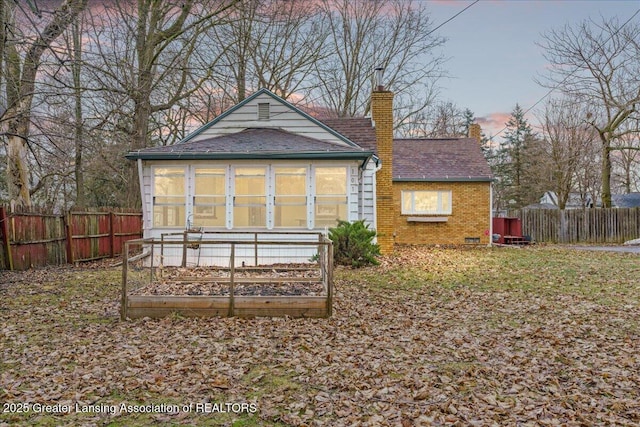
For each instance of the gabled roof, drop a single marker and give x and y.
(447, 159)
(358, 129)
(250, 99)
(253, 143)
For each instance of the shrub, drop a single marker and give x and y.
(353, 244)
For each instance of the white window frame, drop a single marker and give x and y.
(312, 205)
(438, 211)
(186, 175)
(316, 206)
(221, 206)
(267, 195)
(272, 175)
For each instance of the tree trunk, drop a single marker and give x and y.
(606, 172)
(20, 91)
(78, 129)
(18, 172)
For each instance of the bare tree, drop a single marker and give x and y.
(626, 158)
(293, 38)
(147, 52)
(20, 74)
(443, 119)
(597, 63)
(565, 138)
(365, 34)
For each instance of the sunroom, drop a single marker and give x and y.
(257, 196)
(258, 180)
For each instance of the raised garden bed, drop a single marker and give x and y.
(283, 289)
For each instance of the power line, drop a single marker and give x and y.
(452, 18)
(570, 74)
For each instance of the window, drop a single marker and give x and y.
(250, 201)
(426, 202)
(209, 200)
(168, 197)
(290, 197)
(331, 196)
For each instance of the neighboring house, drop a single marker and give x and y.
(575, 201)
(630, 200)
(266, 165)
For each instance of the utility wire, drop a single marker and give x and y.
(570, 74)
(452, 18)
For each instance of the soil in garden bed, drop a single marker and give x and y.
(211, 281)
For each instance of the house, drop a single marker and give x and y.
(577, 201)
(549, 200)
(629, 200)
(266, 165)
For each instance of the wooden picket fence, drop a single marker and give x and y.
(615, 225)
(36, 239)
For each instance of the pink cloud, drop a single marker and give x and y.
(493, 123)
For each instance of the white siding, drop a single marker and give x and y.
(282, 116)
(147, 201)
(367, 195)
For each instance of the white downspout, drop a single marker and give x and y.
(375, 197)
(145, 214)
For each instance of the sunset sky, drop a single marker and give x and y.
(494, 58)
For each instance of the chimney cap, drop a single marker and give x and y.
(379, 73)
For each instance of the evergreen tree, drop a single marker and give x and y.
(510, 163)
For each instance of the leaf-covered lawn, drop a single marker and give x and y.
(535, 336)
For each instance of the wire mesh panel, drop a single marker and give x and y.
(248, 276)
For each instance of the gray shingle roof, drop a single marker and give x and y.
(253, 143)
(631, 200)
(358, 129)
(451, 159)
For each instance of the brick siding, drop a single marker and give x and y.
(382, 114)
(469, 217)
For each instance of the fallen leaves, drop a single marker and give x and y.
(430, 337)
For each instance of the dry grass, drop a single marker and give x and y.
(535, 336)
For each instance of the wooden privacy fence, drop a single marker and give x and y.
(615, 225)
(37, 239)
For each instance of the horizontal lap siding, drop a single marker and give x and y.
(282, 117)
(367, 187)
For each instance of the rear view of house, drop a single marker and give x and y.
(265, 165)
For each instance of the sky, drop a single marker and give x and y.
(493, 53)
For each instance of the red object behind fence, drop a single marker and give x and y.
(507, 231)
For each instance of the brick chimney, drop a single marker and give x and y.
(475, 131)
(382, 115)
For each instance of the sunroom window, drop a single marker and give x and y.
(290, 197)
(331, 196)
(168, 197)
(426, 202)
(209, 200)
(250, 201)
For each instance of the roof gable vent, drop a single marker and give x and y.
(264, 111)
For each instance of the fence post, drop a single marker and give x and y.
(112, 235)
(69, 229)
(330, 279)
(184, 249)
(231, 280)
(123, 296)
(6, 242)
